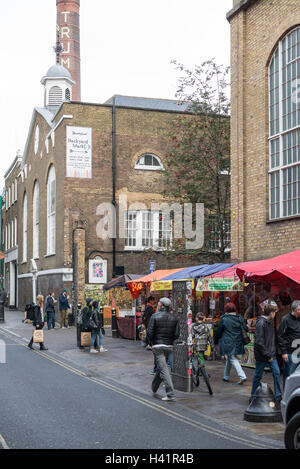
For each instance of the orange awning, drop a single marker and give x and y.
(137, 286)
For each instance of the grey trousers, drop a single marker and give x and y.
(161, 356)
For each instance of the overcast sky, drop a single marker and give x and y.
(126, 48)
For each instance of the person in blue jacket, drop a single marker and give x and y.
(63, 308)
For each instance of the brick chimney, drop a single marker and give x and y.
(69, 31)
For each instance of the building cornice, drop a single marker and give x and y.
(242, 5)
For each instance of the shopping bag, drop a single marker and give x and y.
(38, 336)
(86, 338)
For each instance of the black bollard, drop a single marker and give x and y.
(264, 407)
(114, 325)
(1, 312)
(79, 326)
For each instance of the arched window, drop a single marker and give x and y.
(25, 228)
(55, 96)
(149, 161)
(36, 228)
(51, 211)
(284, 129)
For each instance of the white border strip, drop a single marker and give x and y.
(3, 443)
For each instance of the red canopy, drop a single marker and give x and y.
(283, 270)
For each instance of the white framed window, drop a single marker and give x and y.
(16, 231)
(16, 190)
(145, 229)
(6, 237)
(215, 238)
(51, 211)
(25, 228)
(284, 128)
(35, 219)
(12, 233)
(149, 161)
(9, 197)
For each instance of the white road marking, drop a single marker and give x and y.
(10, 332)
(3, 443)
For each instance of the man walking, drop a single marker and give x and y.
(63, 308)
(289, 340)
(265, 350)
(163, 329)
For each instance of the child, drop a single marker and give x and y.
(201, 336)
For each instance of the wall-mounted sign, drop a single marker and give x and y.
(79, 152)
(97, 270)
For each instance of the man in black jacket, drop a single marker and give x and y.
(289, 340)
(265, 350)
(163, 329)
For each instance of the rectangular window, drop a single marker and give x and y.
(145, 229)
(215, 243)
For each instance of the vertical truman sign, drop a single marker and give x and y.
(79, 152)
(69, 28)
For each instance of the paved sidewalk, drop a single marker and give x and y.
(128, 363)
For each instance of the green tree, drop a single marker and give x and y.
(198, 162)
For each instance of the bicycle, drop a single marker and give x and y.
(198, 368)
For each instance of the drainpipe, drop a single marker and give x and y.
(114, 174)
(1, 240)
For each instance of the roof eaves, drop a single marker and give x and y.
(242, 5)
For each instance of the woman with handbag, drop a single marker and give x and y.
(229, 335)
(97, 332)
(38, 319)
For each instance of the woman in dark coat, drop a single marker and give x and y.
(38, 319)
(230, 340)
(97, 331)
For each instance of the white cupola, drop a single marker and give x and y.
(58, 87)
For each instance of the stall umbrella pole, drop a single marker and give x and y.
(134, 333)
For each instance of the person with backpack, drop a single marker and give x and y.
(229, 335)
(96, 325)
(36, 314)
(50, 310)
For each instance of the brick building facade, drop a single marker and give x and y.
(58, 245)
(265, 156)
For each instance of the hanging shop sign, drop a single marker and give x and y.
(162, 285)
(220, 284)
(79, 152)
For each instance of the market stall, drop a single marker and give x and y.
(121, 300)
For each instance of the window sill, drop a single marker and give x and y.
(149, 168)
(278, 220)
(50, 255)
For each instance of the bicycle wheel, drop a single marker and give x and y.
(206, 379)
(195, 374)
